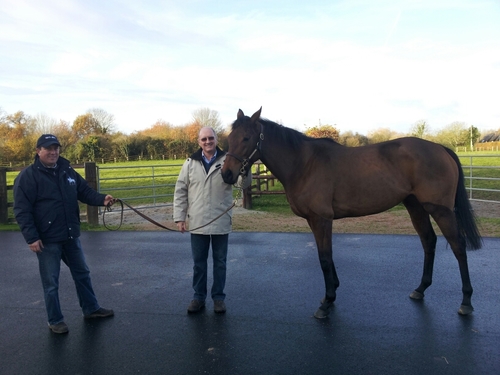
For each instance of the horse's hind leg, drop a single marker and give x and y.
(447, 222)
(322, 230)
(422, 224)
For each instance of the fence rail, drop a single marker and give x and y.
(155, 184)
(161, 178)
(482, 181)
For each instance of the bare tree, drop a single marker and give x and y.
(44, 124)
(205, 117)
(105, 121)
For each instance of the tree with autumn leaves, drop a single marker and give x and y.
(323, 131)
(92, 136)
(17, 136)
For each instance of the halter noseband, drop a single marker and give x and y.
(246, 161)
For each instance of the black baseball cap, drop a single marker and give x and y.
(47, 140)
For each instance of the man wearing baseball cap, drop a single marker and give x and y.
(46, 196)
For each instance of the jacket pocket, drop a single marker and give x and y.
(46, 221)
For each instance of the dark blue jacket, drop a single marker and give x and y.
(46, 201)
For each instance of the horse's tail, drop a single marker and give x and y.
(466, 219)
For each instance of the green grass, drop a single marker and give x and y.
(482, 169)
(272, 203)
(9, 228)
(279, 204)
(142, 183)
(134, 182)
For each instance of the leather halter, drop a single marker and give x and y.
(245, 161)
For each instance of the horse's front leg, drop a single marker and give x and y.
(322, 230)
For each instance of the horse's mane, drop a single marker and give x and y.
(283, 134)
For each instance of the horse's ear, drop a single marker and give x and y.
(256, 115)
(240, 114)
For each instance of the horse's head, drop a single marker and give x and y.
(244, 146)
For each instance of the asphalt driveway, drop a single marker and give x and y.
(274, 285)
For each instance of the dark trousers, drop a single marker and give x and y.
(200, 245)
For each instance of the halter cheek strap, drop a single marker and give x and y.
(246, 161)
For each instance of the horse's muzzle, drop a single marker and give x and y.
(229, 177)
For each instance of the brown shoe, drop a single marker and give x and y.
(196, 306)
(219, 306)
(59, 327)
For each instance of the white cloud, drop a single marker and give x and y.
(357, 64)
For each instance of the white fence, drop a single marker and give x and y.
(482, 177)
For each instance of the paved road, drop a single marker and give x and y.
(274, 286)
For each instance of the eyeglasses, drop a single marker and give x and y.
(204, 139)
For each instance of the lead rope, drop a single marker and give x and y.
(123, 203)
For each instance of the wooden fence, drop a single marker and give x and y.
(263, 184)
(6, 203)
(262, 180)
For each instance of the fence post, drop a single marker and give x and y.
(247, 198)
(257, 173)
(470, 178)
(4, 217)
(91, 178)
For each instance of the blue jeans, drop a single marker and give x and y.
(49, 263)
(200, 245)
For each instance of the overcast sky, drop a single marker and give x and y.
(357, 64)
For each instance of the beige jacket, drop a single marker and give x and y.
(200, 197)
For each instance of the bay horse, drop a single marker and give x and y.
(326, 181)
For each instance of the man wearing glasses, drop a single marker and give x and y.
(200, 197)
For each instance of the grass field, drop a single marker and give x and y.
(482, 172)
(142, 183)
(153, 182)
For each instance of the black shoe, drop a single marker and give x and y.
(219, 306)
(196, 306)
(59, 327)
(101, 313)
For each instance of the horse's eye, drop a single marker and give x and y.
(245, 139)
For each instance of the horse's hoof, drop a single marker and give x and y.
(465, 310)
(416, 295)
(321, 314)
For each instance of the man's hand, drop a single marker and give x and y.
(36, 246)
(109, 200)
(181, 225)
